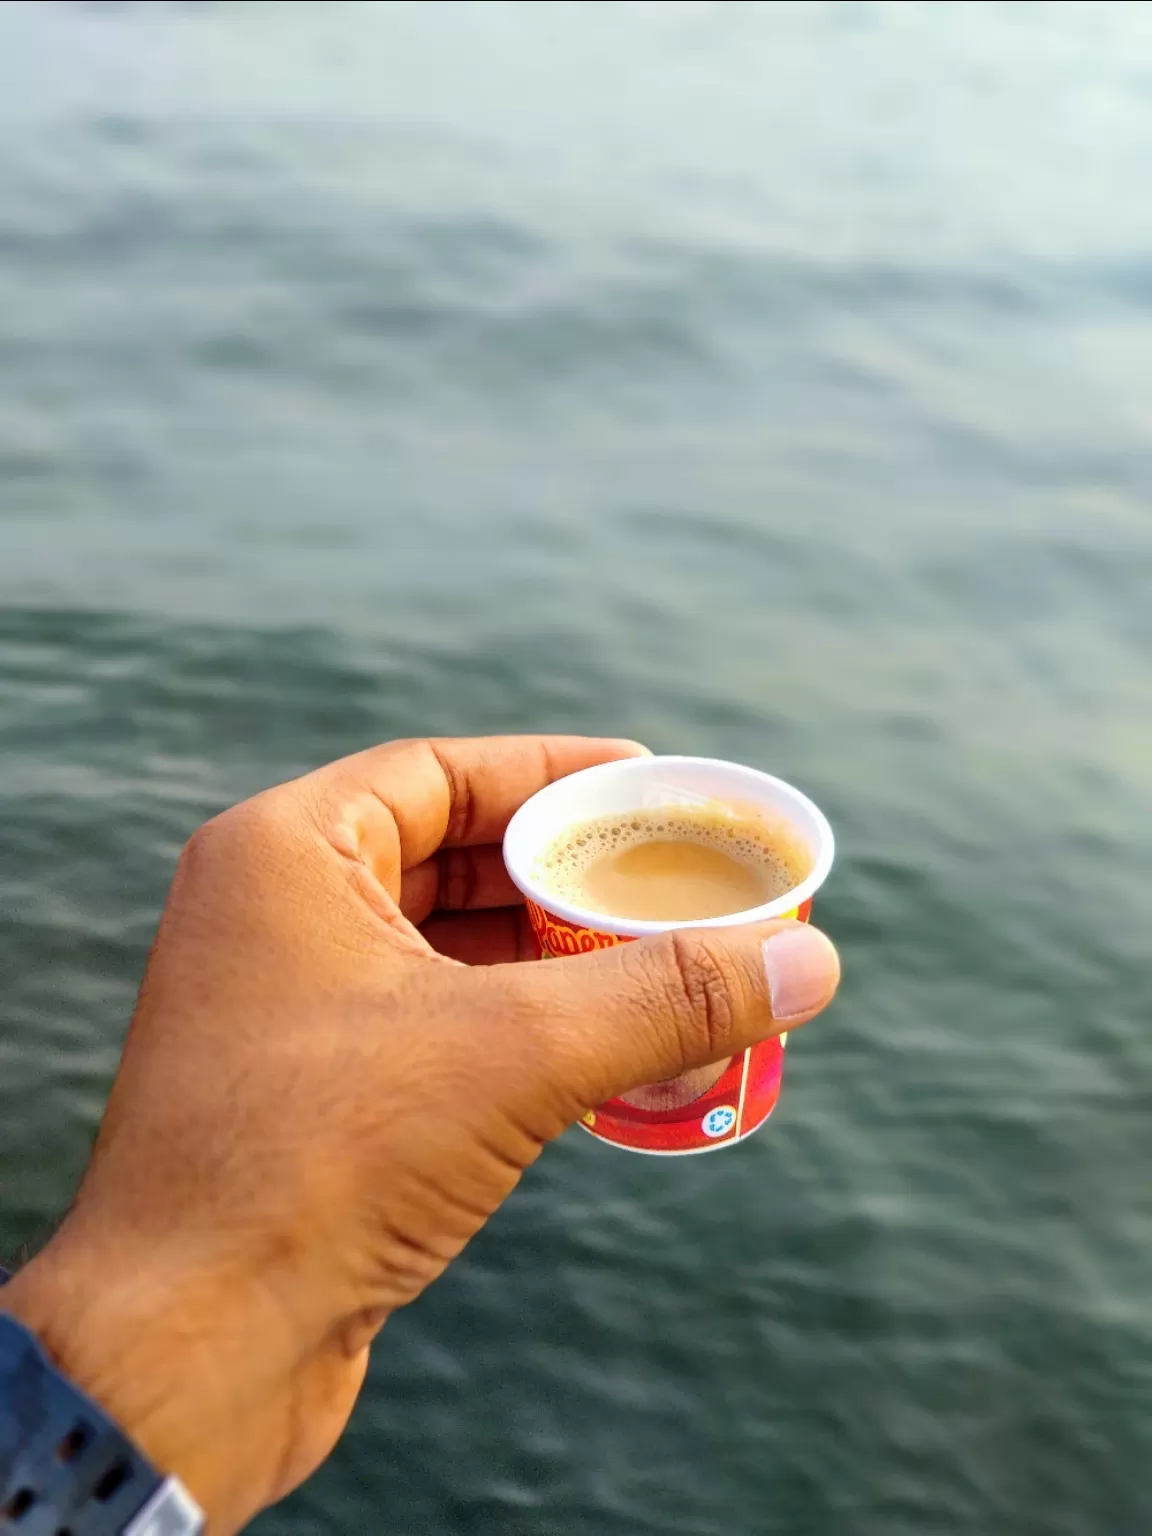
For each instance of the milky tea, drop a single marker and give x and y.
(679, 864)
(636, 847)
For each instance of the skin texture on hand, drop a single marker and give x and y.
(335, 1073)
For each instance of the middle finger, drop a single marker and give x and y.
(457, 880)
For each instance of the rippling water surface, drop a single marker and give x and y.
(761, 380)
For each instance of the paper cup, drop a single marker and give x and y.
(701, 1111)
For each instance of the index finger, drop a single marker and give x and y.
(454, 792)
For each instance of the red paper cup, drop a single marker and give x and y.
(718, 1106)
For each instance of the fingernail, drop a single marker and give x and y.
(802, 970)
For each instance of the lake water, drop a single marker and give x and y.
(768, 381)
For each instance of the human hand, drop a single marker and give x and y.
(319, 1104)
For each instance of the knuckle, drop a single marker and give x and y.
(208, 841)
(233, 836)
(703, 995)
(461, 809)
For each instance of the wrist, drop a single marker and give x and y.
(165, 1354)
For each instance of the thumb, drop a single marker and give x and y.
(637, 1013)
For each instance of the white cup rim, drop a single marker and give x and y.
(781, 794)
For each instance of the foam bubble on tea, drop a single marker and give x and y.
(677, 864)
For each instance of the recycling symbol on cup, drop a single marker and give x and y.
(718, 1121)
